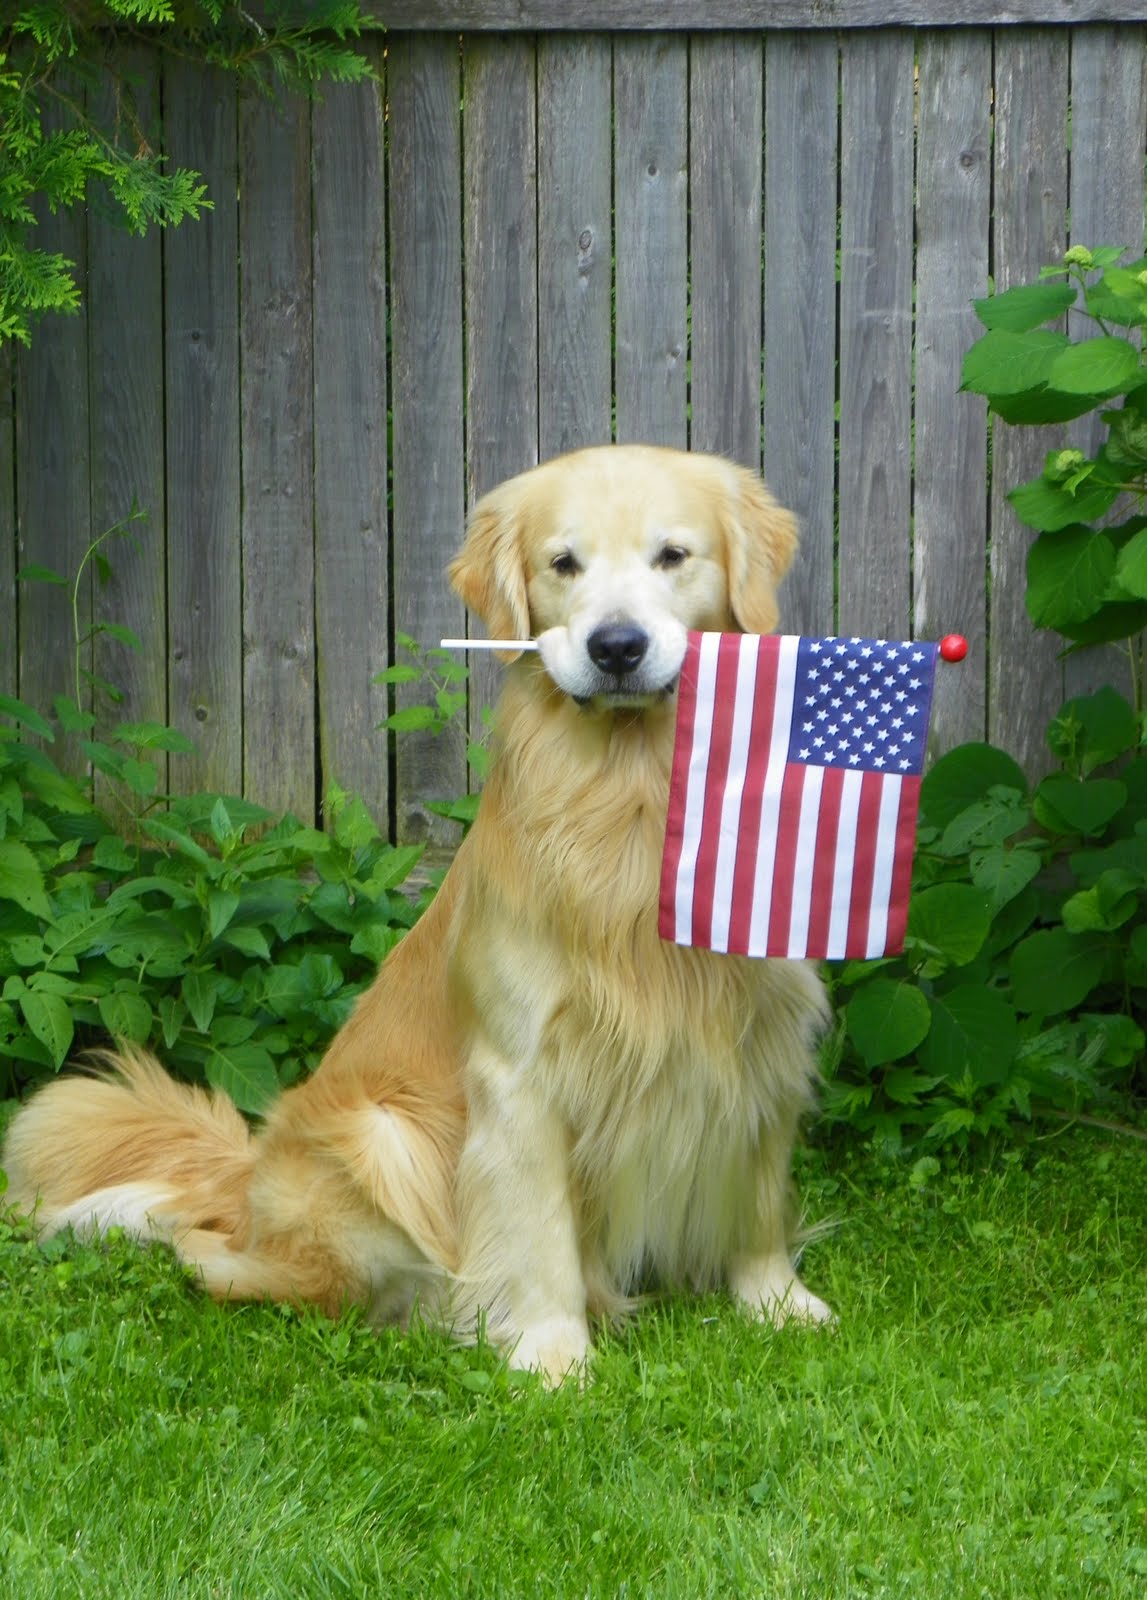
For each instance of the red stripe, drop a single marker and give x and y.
(824, 862)
(902, 865)
(788, 826)
(716, 776)
(748, 841)
(864, 865)
(678, 784)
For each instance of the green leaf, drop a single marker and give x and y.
(1002, 873)
(35, 574)
(249, 941)
(153, 736)
(375, 941)
(1092, 730)
(247, 1073)
(172, 1013)
(26, 716)
(1054, 971)
(222, 905)
(412, 719)
(986, 822)
(166, 834)
(200, 991)
(1025, 306)
(1131, 566)
(885, 1020)
(49, 1018)
(402, 672)
(21, 879)
(973, 1032)
(1102, 367)
(1067, 805)
(222, 828)
(951, 920)
(1049, 507)
(964, 776)
(126, 1015)
(1068, 576)
(393, 867)
(1115, 620)
(1120, 296)
(1107, 905)
(140, 776)
(113, 855)
(1005, 363)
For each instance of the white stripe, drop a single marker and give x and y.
(694, 810)
(843, 864)
(771, 794)
(734, 788)
(805, 860)
(882, 869)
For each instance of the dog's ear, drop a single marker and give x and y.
(488, 572)
(760, 542)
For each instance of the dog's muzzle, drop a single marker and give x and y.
(617, 648)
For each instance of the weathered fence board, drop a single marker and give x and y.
(277, 454)
(425, 195)
(953, 180)
(876, 335)
(125, 367)
(756, 234)
(752, 14)
(650, 163)
(1030, 204)
(500, 233)
(204, 492)
(9, 653)
(725, 221)
(802, 84)
(1108, 99)
(53, 470)
(351, 529)
(575, 244)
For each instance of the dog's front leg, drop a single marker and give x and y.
(520, 1262)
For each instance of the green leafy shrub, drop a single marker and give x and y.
(56, 55)
(1024, 976)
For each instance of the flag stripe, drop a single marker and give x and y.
(882, 864)
(716, 786)
(726, 863)
(902, 865)
(824, 863)
(864, 861)
(784, 869)
(748, 842)
(694, 807)
(836, 943)
(785, 649)
(678, 791)
(804, 861)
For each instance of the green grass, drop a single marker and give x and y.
(974, 1427)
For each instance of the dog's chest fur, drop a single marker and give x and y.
(666, 1066)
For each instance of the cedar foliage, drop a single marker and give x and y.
(58, 61)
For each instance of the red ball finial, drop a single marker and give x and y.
(953, 647)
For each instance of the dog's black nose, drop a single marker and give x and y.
(617, 647)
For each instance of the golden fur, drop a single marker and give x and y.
(539, 1105)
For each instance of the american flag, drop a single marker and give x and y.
(792, 807)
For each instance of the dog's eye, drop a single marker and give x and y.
(564, 565)
(672, 555)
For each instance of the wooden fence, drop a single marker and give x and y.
(756, 229)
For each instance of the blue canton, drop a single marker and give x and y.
(862, 704)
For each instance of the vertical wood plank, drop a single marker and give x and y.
(1108, 124)
(125, 346)
(876, 332)
(277, 455)
(1025, 683)
(802, 79)
(9, 652)
(424, 194)
(201, 341)
(53, 473)
(726, 136)
(953, 167)
(351, 582)
(500, 232)
(575, 243)
(650, 91)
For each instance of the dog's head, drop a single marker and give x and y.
(608, 557)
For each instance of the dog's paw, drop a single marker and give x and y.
(771, 1290)
(557, 1349)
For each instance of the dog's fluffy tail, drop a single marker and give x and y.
(128, 1146)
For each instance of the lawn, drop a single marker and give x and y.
(974, 1426)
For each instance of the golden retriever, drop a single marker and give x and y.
(540, 1105)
